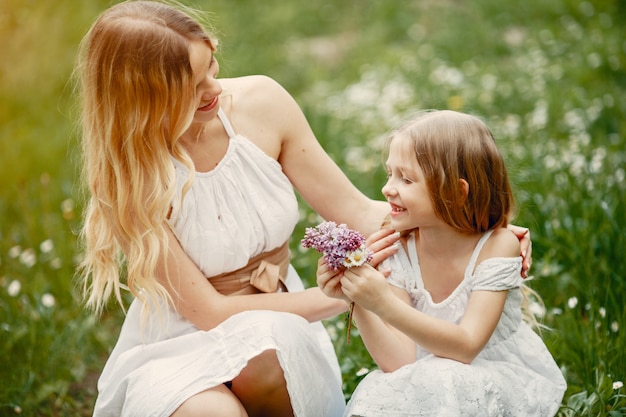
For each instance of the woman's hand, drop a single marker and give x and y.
(328, 281)
(526, 247)
(383, 244)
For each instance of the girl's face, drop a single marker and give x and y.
(205, 69)
(406, 189)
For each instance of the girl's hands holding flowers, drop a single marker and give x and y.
(367, 287)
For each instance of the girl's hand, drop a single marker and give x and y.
(367, 287)
(329, 281)
(526, 247)
(383, 244)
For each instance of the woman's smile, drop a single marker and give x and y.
(210, 105)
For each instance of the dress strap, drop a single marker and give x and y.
(479, 246)
(227, 126)
(413, 260)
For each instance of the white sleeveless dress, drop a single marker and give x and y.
(514, 374)
(240, 209)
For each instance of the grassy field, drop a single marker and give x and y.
(549, 76)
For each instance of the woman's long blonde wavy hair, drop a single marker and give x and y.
(449, 146)
(137, 92)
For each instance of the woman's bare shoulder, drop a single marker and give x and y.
(251, 87)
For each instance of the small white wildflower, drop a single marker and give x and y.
(67, 205)
(56, 263)
(48, 300)
(618, 384)
(14, 288)
(615, 327)
(362, 371)
(15, 251)
(332, 332)
(602, 312)
(572, 302)
(356, 258)
(28, 258)
(67, 208)
(557, 311)
(46, 246)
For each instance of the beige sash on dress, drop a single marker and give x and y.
(264, 273)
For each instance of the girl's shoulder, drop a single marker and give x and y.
(498, 266)
(501, 244)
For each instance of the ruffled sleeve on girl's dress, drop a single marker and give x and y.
(498, 274)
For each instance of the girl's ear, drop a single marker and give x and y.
(463, 191)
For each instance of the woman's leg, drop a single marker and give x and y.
(262, 389)
(214, 402)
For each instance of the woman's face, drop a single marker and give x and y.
(205, 69)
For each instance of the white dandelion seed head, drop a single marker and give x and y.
(14, 288)
(47, 300)
(67, 205)
(602, 312)
(56, 263)
(614, 327)
(556, 311)
(572, 302)
(15, 251)
(46, 246)
(28, 258)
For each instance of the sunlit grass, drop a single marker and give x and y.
(547, 76)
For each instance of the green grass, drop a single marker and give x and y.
(548, 76)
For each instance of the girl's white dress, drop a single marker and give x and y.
(514, 375)
(242, 208)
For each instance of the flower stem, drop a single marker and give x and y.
(350, 310)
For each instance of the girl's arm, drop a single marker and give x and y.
(389, 348)
(196, 299)
(461, 342)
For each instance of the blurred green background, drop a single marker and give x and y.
(549, 77)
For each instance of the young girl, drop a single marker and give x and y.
(449, 333)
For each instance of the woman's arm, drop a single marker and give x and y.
(269, 116)
(196, 299)
(266, 113)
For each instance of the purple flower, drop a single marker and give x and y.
(342, 247)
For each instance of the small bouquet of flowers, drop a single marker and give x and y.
(342, 248)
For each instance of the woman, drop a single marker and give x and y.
(191, 177)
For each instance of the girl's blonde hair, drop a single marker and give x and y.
(449, 146)
(137, 91)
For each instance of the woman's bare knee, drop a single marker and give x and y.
(261, 387)
(214, 402)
